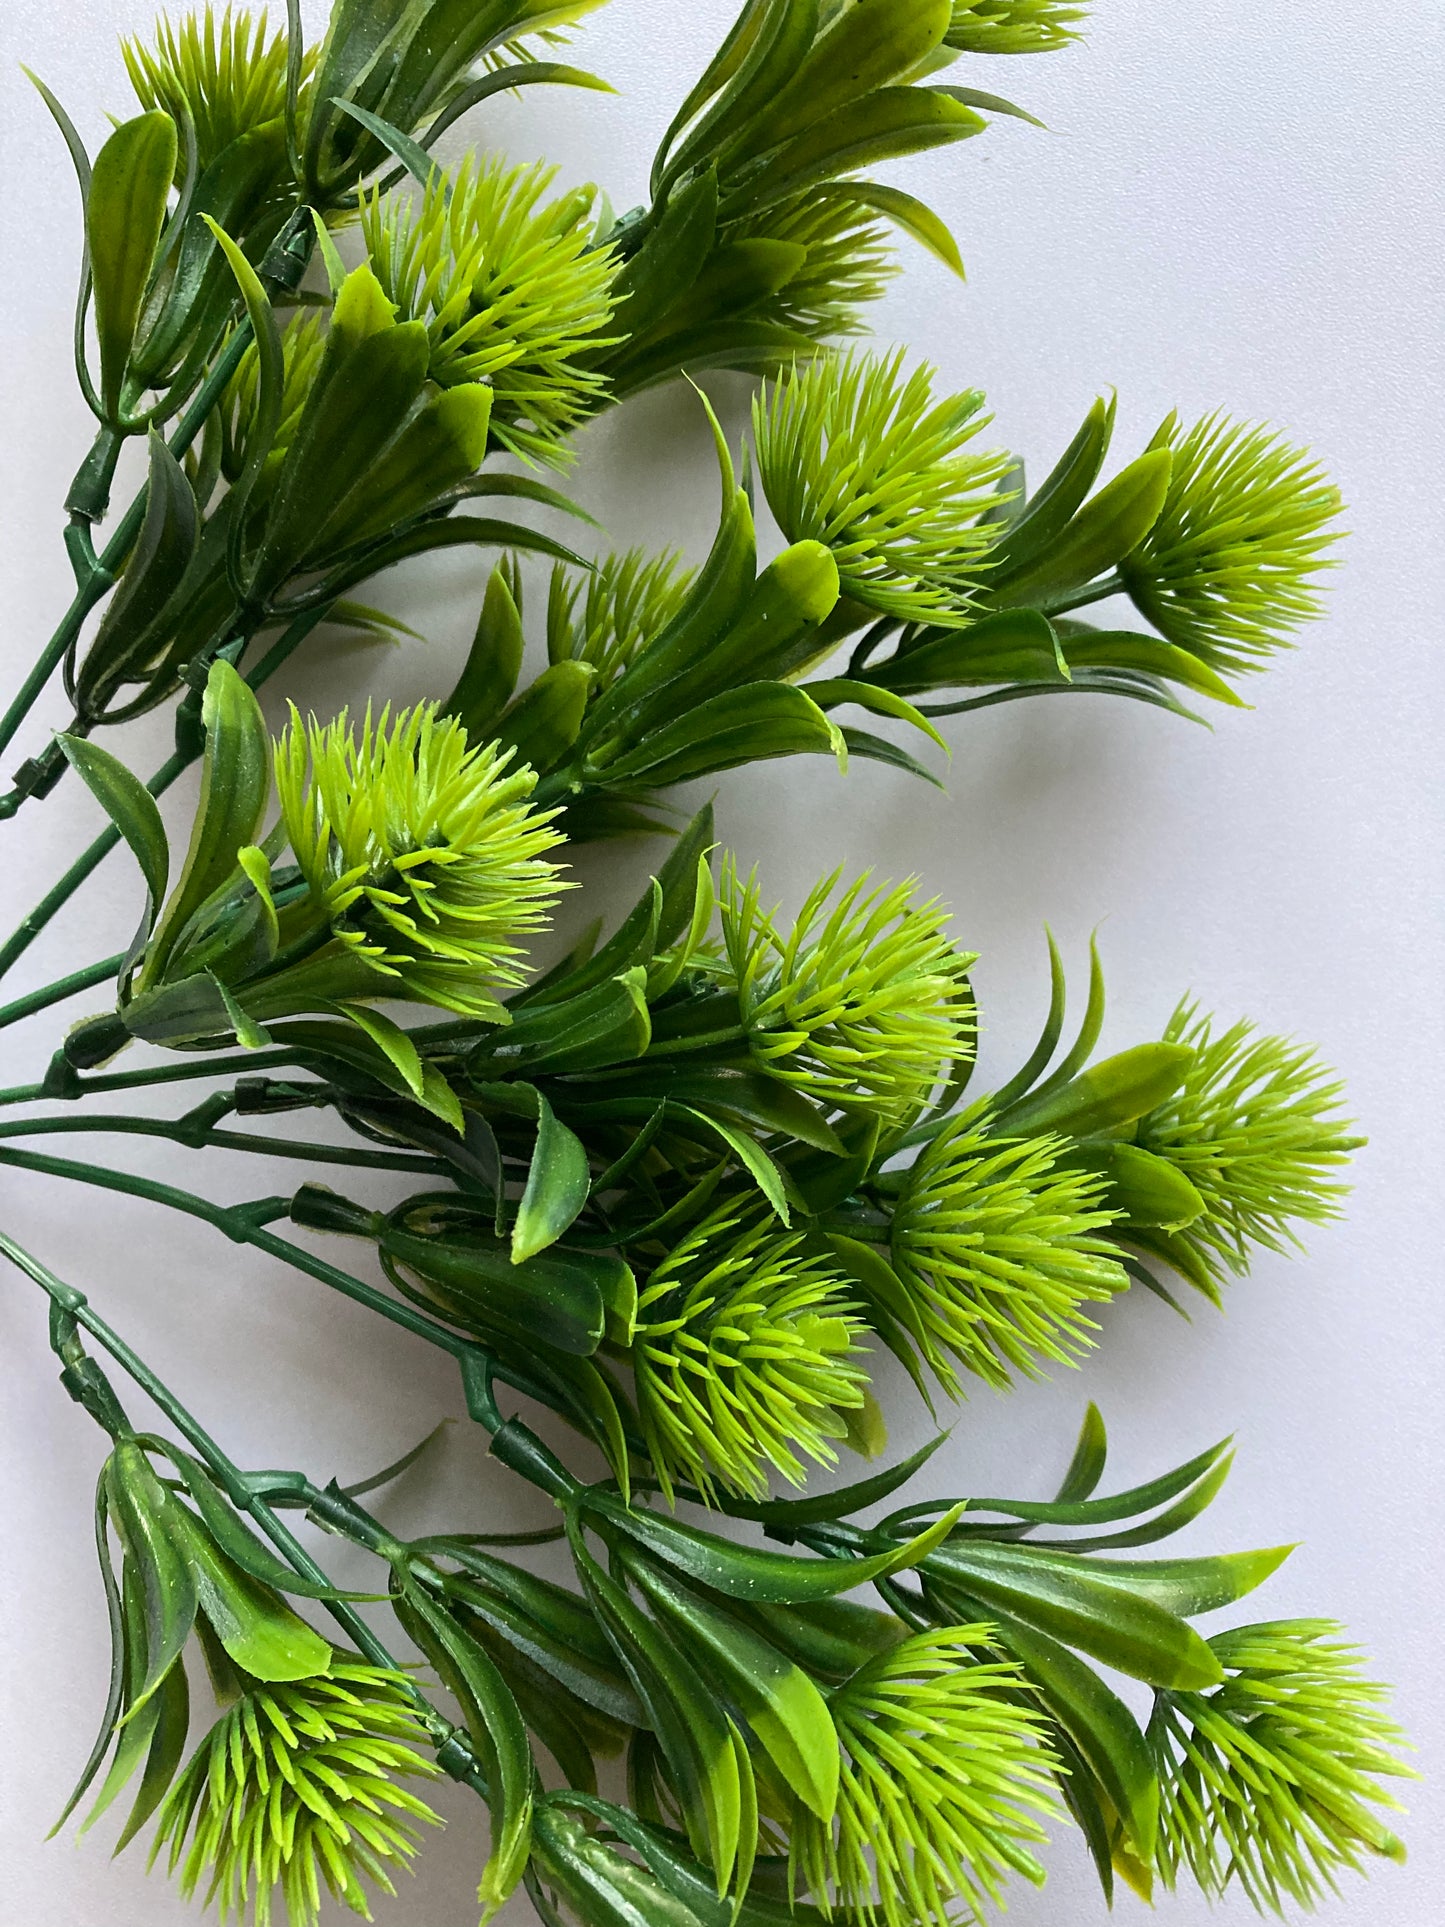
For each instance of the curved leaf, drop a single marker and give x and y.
(124, 213)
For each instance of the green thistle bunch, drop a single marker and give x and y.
(225, 77)
(1269, 1783)
(1228, 568)
(422, 851)
(944, 1778)
(745, 1356)
(510, 287)
(1014, 26)
(298, 1788)
(863, 1002)
(1001, 1246)
(1257, 1129)
(858, 455)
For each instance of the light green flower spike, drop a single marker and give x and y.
(510, 287)
(222, 74)
(1001, 1250)
(864, 1002)
(297, 1787)
(745, 1357)
(1014, 26)
(1228, 569)
(857, 454)
(1257, 1129)
(425, 853)
(945, 1776)
(1266, 1782)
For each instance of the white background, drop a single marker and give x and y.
(1235, 206)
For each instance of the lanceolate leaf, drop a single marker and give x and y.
(125, 210)
(130, 806)
(557, 1186)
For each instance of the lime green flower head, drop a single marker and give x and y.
(425, 853)
(1001, 1249)
(1257, 1128)
(856, 453)
(225, 76)
(1013, 26)
(297, 1787)
(745, 1357)
(865, 1002)
(510, 287)
(1269, 1782)
(1228, 569)
(945, 1776)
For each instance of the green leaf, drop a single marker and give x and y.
(153, 571)
(235, 1540)
(888, 125)
(1096, 1719)
(597, 1684)
(172, 1719)
(497, 1732)
(130, 806)
(691, 1726)
(1051, 508)
(124, 213)
(672, 256)
(558, 1180)
(1105, 530)
(740, 1572)
(1145, 1188)
(787, 1514)
(990, 104)
(115, 1693)
(421, 469)
(235, 783)
(747, 1096)
(1059, 1597)
(915, 217)
(1086, 1511)
(554, 1299)
(546, 719)
(759, 1166)
(1144, 655)
(591, 1030)
(748, 725)
(417, 162)
(1187, 1587)
(839, 690)
(1086, 1467)
(1014, 645)
(493, 662)
(424, 1082)
(256, 1627)
(144, 1514)
(1111, 1093)
(864, 47)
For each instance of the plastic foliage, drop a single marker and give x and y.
(702, 1188)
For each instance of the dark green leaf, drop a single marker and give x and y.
(124, 213)
(557, 1185)
(129, 805)
(144, 1515)
(785, 1514)
(493, 662)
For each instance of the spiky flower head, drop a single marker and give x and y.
(625, 603)
(1228, 570)
(297, 1787)
(1013, 26)
(847, 262)
(425, 852)
(1257, 1128)
(944, 1776)
(745, 1356)
(510, 287)
(1265, 1782)
(1000, 1248)
(856, 453)
(864, 1002)
(225, 76)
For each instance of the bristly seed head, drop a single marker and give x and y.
(1265, 1781)
(1001, 1248)
(744, 1356)
(510, 287)
(296, 1787)
(1014, 26)
(857, 454)
(944, 1777)
(425, 853)
(1257, 1129)
(864, 1003)
(1228, 570)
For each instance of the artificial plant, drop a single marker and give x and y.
(682, 1187)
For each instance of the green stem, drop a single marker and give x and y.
(112, 558)
(236, 1486)
(207, 1138)
(63, 987)
(242, 1063)
(175, 765)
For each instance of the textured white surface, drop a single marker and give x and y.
(1237, 206)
